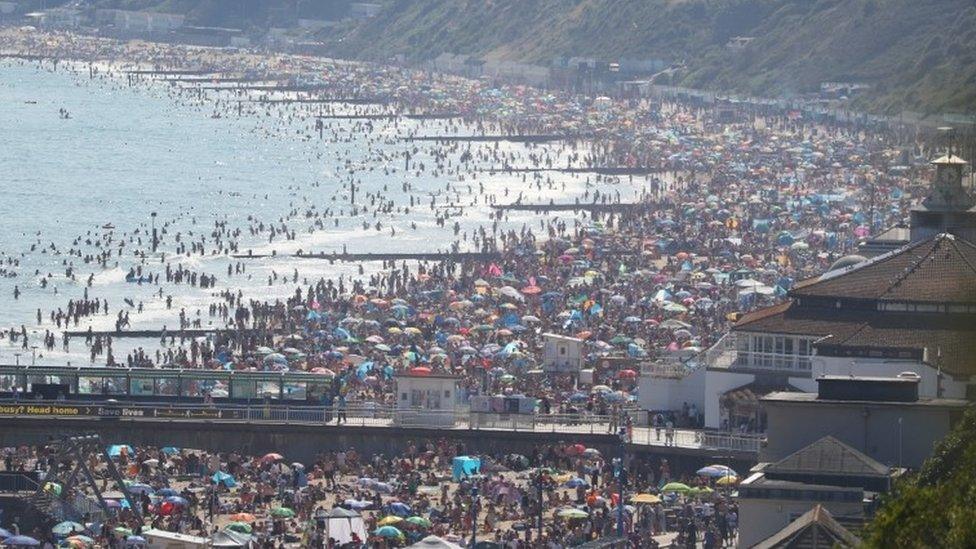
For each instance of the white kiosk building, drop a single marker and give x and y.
(425, 400)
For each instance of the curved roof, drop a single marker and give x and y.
(941, 269)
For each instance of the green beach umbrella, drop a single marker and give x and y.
(419, 521)
(240, 527)
(675, 487)
(282, 512)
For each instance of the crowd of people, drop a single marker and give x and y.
(685, 220)
(556, 496)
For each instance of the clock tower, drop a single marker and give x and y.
(948, 208)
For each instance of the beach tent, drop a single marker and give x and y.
(115, 450)
(464, 466)
(226, 479)
(341, 524)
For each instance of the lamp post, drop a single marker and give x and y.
(620, 474)
(474, 516)
(33, 355)
(539, 486)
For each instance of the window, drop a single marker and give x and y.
(562, 350)
(447, 394)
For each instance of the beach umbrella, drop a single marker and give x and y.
(434, 542)
(388, 520)
(239, 526)
(388, 532)
(282, 512)
(4, 533)
(177, 501)
(730, 480)
(67, 528)
(572, 514)
(591, 452)
(167, 492)
(140, 488)
(272, 457)
(620, 340)
(122, 531)
(243, 517)
(676, 487)
(645, 498)
(78, 540)
(399, 508)
(576, 482)
(20, 541)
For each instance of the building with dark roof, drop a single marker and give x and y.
(776, 500)
(908, 304)
(815, 529)
(884, 418)
(913, 309)
(909, 310)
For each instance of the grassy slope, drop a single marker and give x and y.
(918, 54)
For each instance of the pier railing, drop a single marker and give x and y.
(367, 414)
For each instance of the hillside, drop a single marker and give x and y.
(916, 55)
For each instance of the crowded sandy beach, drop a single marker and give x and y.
(642, 227)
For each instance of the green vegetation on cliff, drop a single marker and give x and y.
(915, 55)
(937, 506)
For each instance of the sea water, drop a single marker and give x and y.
(125, 152)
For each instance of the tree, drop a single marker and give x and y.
(935, 507)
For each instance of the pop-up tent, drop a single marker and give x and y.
(465, 466)
(341, 524)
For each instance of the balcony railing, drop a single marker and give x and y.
(752, 360)
(367, 414)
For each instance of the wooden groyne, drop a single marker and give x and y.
(158, 333)
(348, 100)
(580, 207)
(532, 138)
(391, 116)
(611, 170)
(172, 72)
(391, 256)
